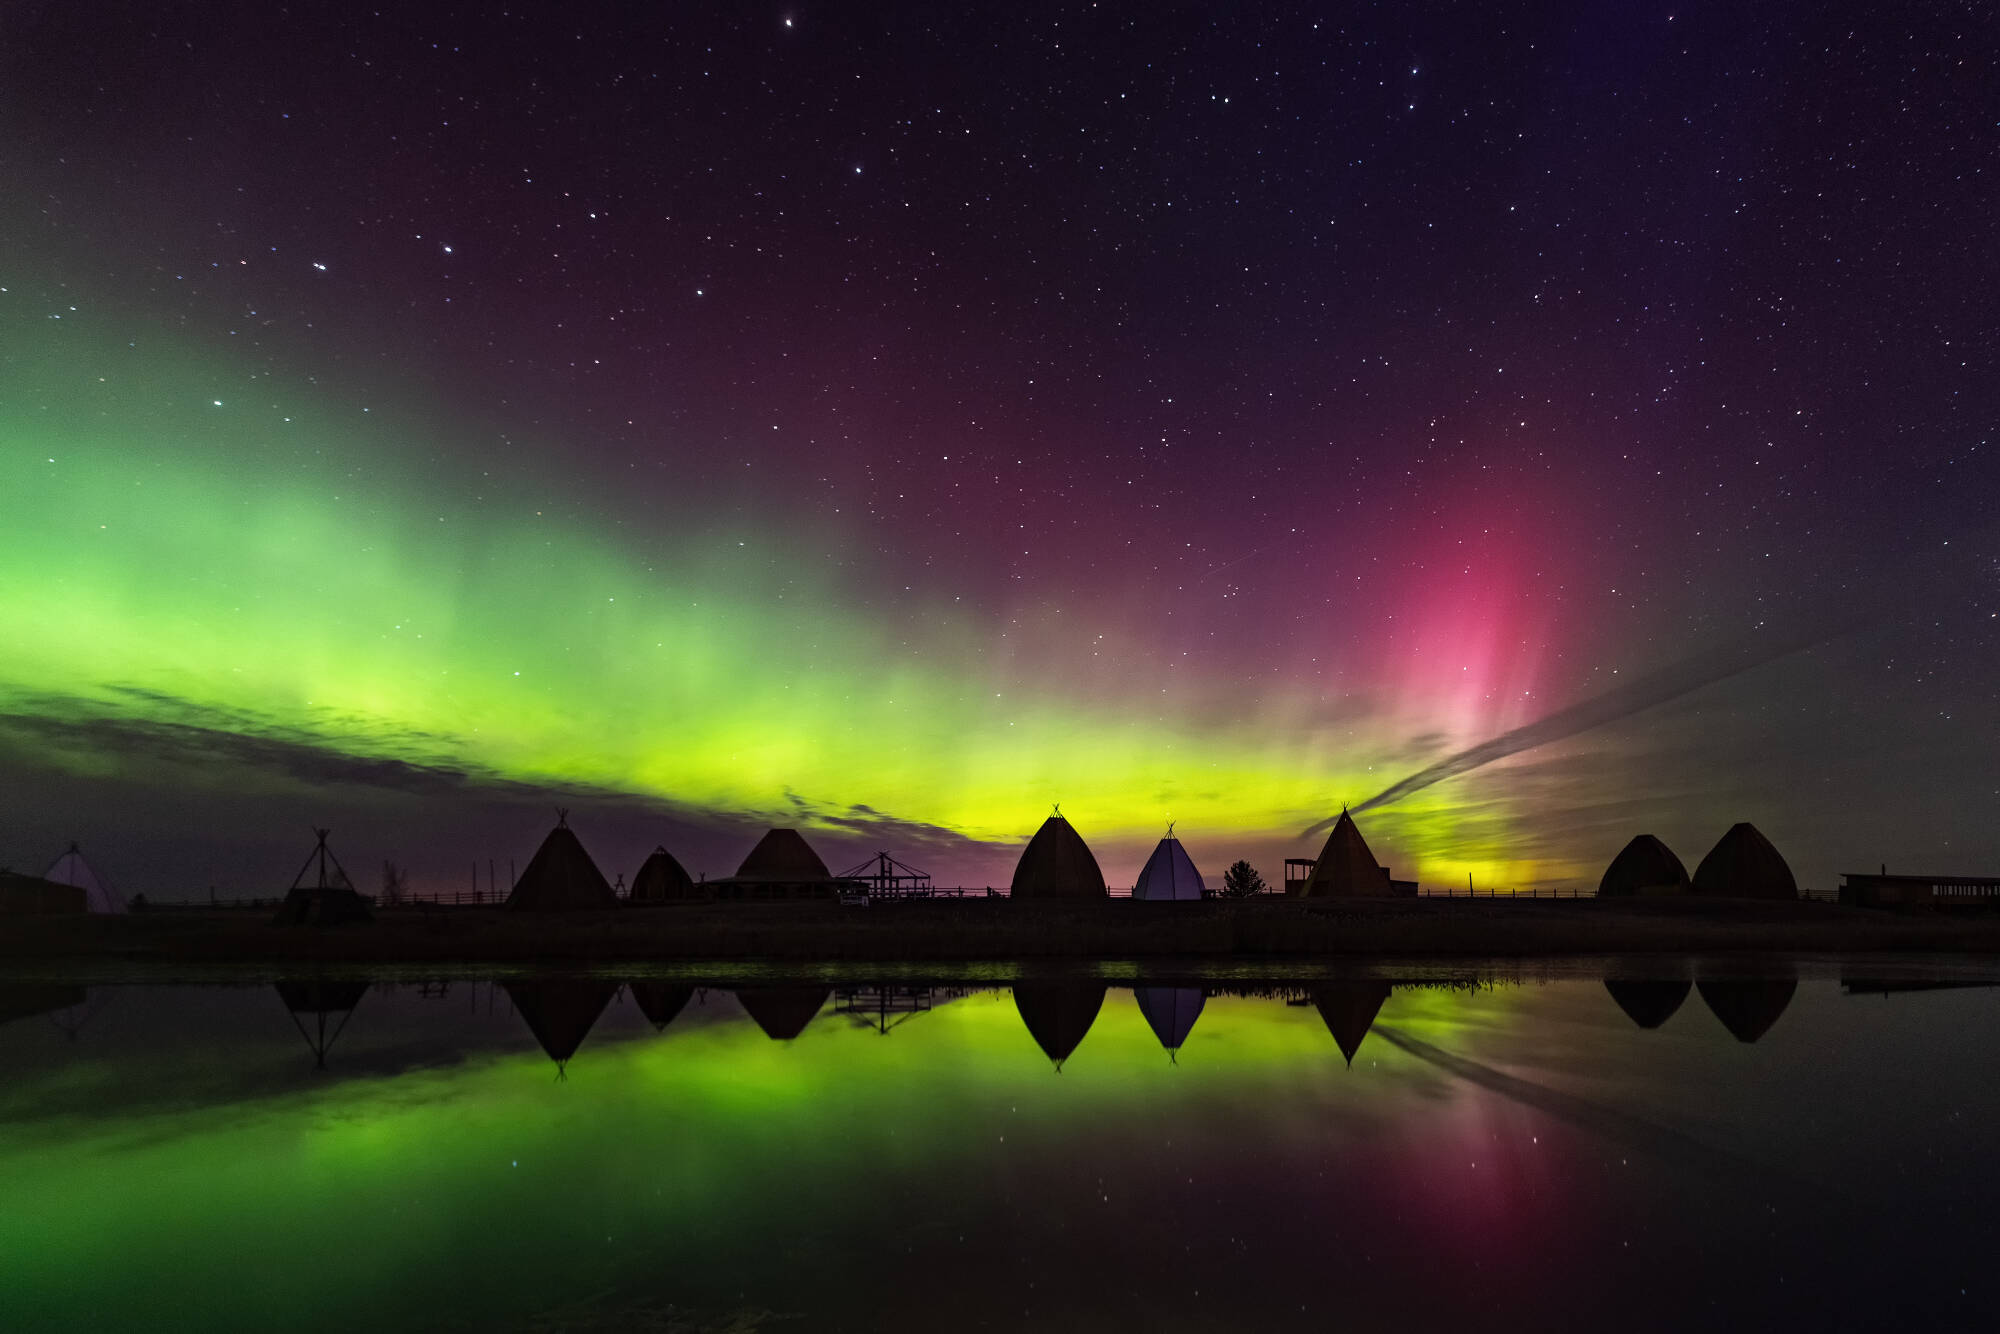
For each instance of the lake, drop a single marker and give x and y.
(1798, 1144)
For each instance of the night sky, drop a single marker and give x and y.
(894, 420)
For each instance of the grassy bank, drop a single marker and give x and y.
(996, 929)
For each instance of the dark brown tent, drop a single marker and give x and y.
(561, 876)
(783, 856)
(659, 1001)
(1057, 864)
(1748, 1008)
(1744, 865)
(662, 879)
(560, 1011)
(320, 999)
(30, 894)
(782, 1012)
(1648, 1003)
(1058, 1014)
(1348, 1009)
(1646, 867)
(1346, 868)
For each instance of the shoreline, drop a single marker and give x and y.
(999, 931)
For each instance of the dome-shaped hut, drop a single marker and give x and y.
(561, 876)
(1170, 1012)
(783, 856)
(1748, 1007)
(1169, 873)
(1348, 1010)
(1346, 868)
(661, 879)
(1057, 864)
(783, 1012)
(1648, 1003)
(1744, 865)
(1645, 868)
(1058, 1014)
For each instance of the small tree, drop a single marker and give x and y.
(1241, 880)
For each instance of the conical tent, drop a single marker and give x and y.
(321, 894)
(1170, 1012)
(1348, 1009)
(72, 868)
(659, 1001)
(783, 856)
(1058, 1014)
(660, 880)
(1169, 874)
(560, 1011)
(1346, 868)
(783, 1012)
(1648, 1003)
(1748, 1007)
(1744, 865)
(561, 876)
(1645, 866)
(1057, 864)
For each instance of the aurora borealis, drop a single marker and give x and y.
(894, 421)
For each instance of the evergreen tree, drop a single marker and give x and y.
(1241, 880)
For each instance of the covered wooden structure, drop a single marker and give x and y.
(1057, 864)
(561, 877)
(1744, 865)
(661, 879)
(1644, 868)
(1345, 868)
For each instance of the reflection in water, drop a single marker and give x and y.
(1170, 1012)
(1349, 1010)
(659, 1001)
(560, 1012)
(783, 1012)
(1523, 1139)
(1058, 1014)
(1748, 1007)
(318, 1001)
(1648, 1003)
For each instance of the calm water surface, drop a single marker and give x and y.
(1547, 1152)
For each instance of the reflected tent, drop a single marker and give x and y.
(660, 1002)
(1058, 1014)
(1748, 1007)
(782, 1012)
(1648, 1003)
(560, 1012)
(321, 999)
(1348, 1009)
(1170, 1012)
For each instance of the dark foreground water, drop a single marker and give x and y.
(1542, 1152)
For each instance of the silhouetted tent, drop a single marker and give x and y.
(783, 856)
(661, 879)
(560, 1011)
(24, 895)
(1170, 1012)
(1345, 868)
(1169, 874)
(73, 868)
(1648, 1003)
(1645, 867)
(22, 1000)
(1058, 1014)
(1744, 865)
(1348, 1009)
(1748, 1007)
(659, 1001)
(782, 1012)
(1057, 864)
(321, 894)
(321, 1000)
(561, 876)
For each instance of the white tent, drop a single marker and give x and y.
(98, 894)
(1169, 874)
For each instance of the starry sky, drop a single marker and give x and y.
(894, 420)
